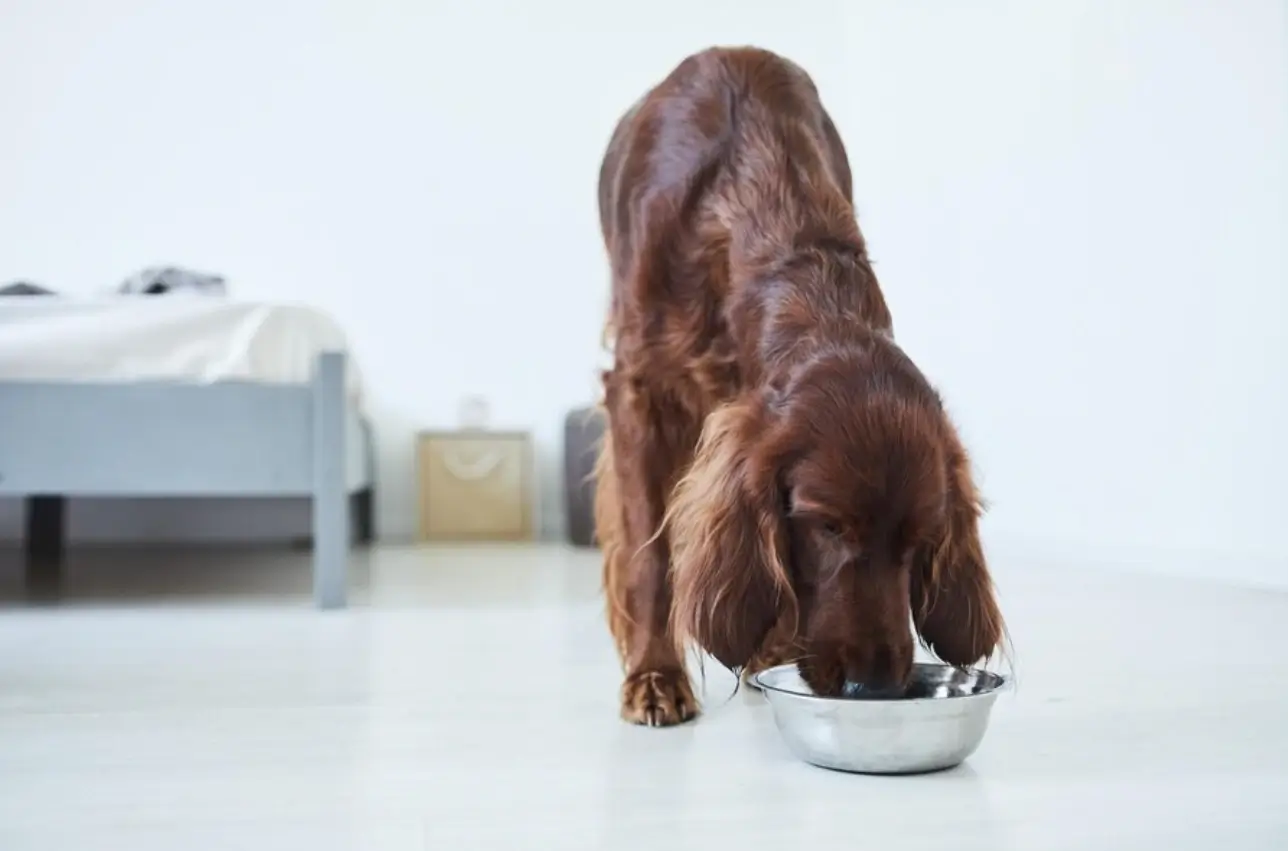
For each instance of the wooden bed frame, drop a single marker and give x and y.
(229, 438)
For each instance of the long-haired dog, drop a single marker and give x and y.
(778, 482)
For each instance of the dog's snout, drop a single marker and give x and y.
(884, 668)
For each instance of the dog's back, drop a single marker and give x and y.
(717, 171)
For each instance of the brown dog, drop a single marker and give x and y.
(779, 481)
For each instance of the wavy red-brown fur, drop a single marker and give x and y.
(778, 480)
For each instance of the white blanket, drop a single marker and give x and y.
(174, 337)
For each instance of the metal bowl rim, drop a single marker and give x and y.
(1000, 684)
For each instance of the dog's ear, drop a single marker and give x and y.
(953, 603)
(727, 538)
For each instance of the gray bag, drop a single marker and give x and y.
(583, 431)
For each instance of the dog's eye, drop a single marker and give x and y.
(831, 527)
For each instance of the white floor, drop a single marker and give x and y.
(468, 700)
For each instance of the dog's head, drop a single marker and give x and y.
(839, 501)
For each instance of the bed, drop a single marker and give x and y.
(183, 395)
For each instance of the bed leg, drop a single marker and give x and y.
(46, 523)
(330, 498)
(364, 506)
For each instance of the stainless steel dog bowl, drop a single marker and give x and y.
(935, 724)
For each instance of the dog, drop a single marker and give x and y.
(778, 481)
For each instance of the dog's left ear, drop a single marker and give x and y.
(954, 606)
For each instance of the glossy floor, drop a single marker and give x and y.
(468, 700)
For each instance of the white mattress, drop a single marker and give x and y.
(174, 337)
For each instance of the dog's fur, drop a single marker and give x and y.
(778, 481)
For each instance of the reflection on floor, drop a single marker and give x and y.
(468, 700)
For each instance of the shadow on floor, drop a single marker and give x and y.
(483, 576)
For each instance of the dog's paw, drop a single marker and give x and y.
(658, 698)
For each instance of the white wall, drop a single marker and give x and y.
(1080, 210)
(1077, 209)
